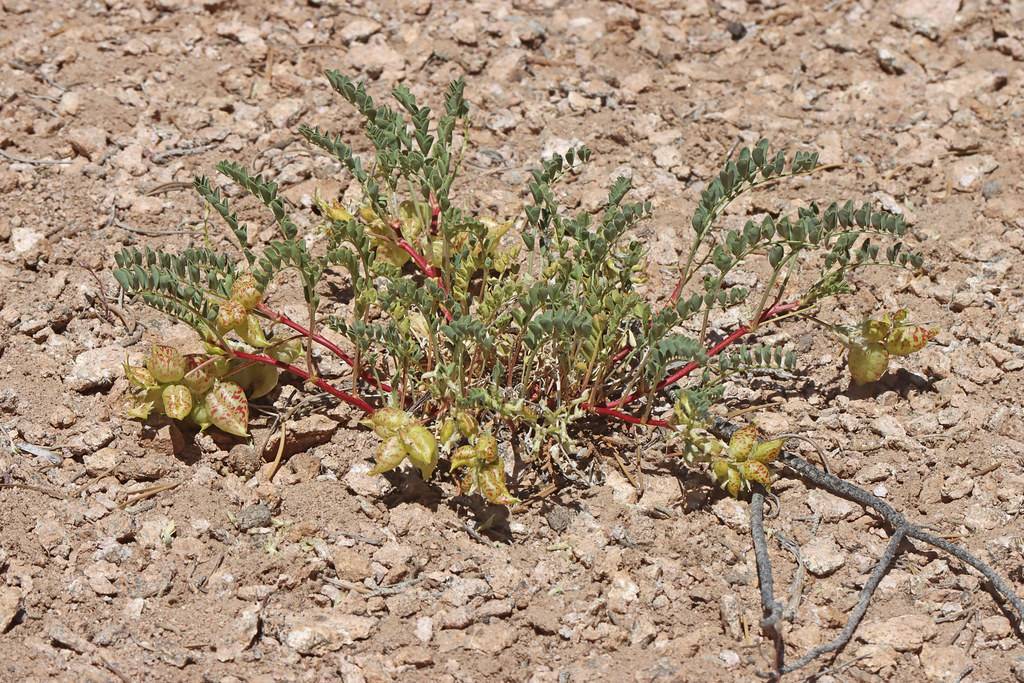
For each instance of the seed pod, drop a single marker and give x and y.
(491, 482)
(466, 423)
(447, 432)
(177, 401)
(767, 451)
(464, 456)
(229, 409)
(720, 470)
(734, 484)
(138, 409)
(166, 364)
(422, 449)
(867, 362)
(389, 456)
(199, 377)
(905, 340)
(742, 442)
(246, 291)
(287, 351)
(200, 415)
(388, 422)
(875, 330)
(256, 380)
(140, 378)
(756, 471)
(487, 447)
(231, 315)
(251, 332)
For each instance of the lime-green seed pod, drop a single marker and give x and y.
(447, 431)
(389, 456)
(767, 451)
(200, 415)
(177, 401)
(287, 351)
(875, 330)
(868, 362)
(422, 448)
(742, 442)
(720, 470)
(250, 331)
(466, 423)
(388, 422)
(734, 483)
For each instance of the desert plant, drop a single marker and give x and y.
(466, 333)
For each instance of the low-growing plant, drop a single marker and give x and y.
(483, 338)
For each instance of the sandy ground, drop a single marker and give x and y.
(107, 110)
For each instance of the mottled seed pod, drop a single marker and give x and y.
(166, 364)
(464, 456)
(389, 456)
(229, 409)
(447, 431)
(491, 482)
(230, 315)
(246, 291)
(200, 415)
(734, 483)
(876, 330)
(905, 340)
(868, 362)
(720, 470)
(742, 442)
(422, 449)
(487, 447)
(756, 471)
(200, 375)
(177, 401)
(767, 451)
(140, 378)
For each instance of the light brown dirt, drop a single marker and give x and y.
(327, 574)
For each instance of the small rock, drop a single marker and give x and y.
(831, 508)
(943, 662)
(349, 564)
(416, 655)
(667, 156)
(100, 462)
(10, 606)
(239, 635)
(89, 141)
(906, 633)
(99, 575)
(424, 629)
(822, 556)
(996, 626)
(957, 485)
(254, 516)
(315, 632)
(544, 621)
(968, 171)
(729, 611)
(29, 244)
(69, 104)
(622, 593)
(284, 112)
(95, 369)
(359, 29)
(491, 639)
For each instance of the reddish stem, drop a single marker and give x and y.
(739, 332)
(421, 262)
(323, 341)
(626, 417)
(288, 367)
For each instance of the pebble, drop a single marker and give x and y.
(823, 556)
(318, 631)
(255, 516)
(359, 29)
(88, 141)
(95, 369)
(10, 606)
(350, 564)
(906, 633)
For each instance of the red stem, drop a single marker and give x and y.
(288, 367)
(421, 262)
(736, 334)
(626, 417)
(323, 341)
